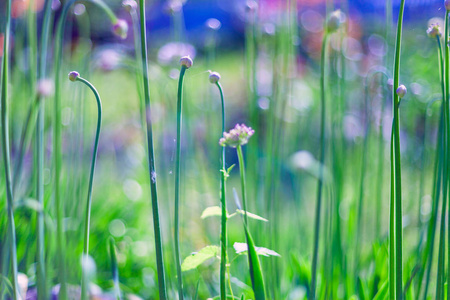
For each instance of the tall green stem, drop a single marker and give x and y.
(312, 294)
(397, 187)
(243, 185)
(177, 182)
(40, 266)
(223, 202)
(87, 219)
(151, 158)
(447, 113)
(428, 253)
(441, 255)
(5, 150)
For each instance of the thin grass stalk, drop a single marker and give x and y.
(447, 111)
(114, 269)
(177, 182)
(256, 274)
(243, 184)
(427, 256)
(151, 158)
(6, 153)
(392, 258)
(312, 294)
(429, 248)
(441, 256)
(87, 219)
(40, 257)
(397, 187)
(223, 202)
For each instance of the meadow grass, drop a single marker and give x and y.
(314, 173)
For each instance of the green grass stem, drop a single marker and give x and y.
(87, 219)
(223, 202)
(6, 151)
(151, 156)
(397, 187)
(312, 294)
(177, 182)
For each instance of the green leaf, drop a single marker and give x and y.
(241, 248)
(197, 258)
(213, 211)
(251, 216)
(382, 292)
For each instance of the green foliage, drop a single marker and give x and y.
(197, 258)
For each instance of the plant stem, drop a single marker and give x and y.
(87, 220)
(397, 187)
(223, 202)
(5, 150)
(177, 182)
(312, 294)
(151, 159)
(447, 113)
(428, 253)
(243, 187)
(441, 255)
(40, 258)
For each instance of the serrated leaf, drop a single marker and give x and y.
(240, 248)
(197, 258)
(251, 216)
(212, 211)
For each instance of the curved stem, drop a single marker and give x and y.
(6, 153)
(91, 179)
(312, 294)
(224, 217)
(177, 182)
(151, 158)
(57, 156)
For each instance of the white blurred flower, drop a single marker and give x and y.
(171, 52)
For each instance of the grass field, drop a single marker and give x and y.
(306, 160)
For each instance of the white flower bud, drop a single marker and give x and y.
(214, 77)
(186, 61)
(120, 28)
(335, 20)
(73, 75)
(401, 91)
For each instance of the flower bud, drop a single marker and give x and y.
(45, 88)
(129, 5)
(401, 91)
(335, 20)
(120, 28)
(214, 77)
(73, 76)
(447, 4)
(186, 61)
(434, 31)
